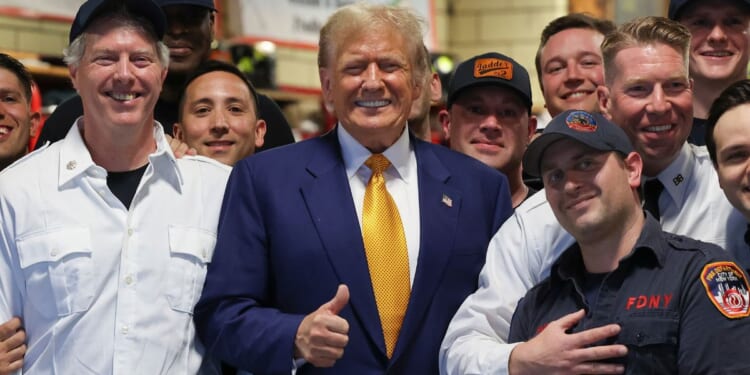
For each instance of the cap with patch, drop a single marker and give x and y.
(591, 129)
(676, 6)
(91, 9)
(491, 69)
(200, 3)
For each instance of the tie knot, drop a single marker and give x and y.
(377, 163)
(653, 188)
(654, 184)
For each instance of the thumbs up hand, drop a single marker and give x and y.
(322, 335)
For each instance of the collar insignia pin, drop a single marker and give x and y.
(678, 180)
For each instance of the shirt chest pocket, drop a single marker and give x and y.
(190, 251)
(652, 345)
(58, 269)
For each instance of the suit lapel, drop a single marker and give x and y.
(329, 201)
(439, 205)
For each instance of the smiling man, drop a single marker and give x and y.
(489, 116)
(719, 50)
(675, 299)
(17, 121)
(188, 35)
(110, 245)
(218, 113)
(349, 253)
(569, 62)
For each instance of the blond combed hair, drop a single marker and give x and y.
(643, 31)
(362, 18)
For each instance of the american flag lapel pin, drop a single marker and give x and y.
(447, 201)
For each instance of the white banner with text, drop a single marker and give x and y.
(299, 21)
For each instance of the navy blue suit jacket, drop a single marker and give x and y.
(289, 235)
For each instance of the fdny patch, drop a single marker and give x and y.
(581, 121)
(727, 287)
(493, 68)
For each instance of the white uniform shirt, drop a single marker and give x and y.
(523, 250)
(102, 289)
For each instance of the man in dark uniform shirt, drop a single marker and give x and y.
(189, 34)
(680, 305)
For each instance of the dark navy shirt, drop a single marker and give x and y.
(669, 322)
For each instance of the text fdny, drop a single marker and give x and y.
(655, 301)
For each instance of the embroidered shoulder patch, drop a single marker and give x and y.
(727, 287)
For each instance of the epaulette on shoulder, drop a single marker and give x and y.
(28, 156)
(205, 160)
(700, 151)
(535, 202)
(679, 242)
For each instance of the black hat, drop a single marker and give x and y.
(200, 3)
(490, 69)
(591, 129)
(676, 6)
(90, 10)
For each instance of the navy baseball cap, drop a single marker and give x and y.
(591, 129)
(490, 69)
(200, 3)
(676, 6)
(91, 9)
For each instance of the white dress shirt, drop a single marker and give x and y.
(523, 250)
(401, 181)
(103, 289)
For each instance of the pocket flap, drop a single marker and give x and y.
(195, 242)
(53, 245)
(649, 331)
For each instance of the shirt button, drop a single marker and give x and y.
(102, 192)
(639, 336)
(53, 253)
(124, 330)
(130, 231)
(128, 279)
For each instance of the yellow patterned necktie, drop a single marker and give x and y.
(387, 257)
